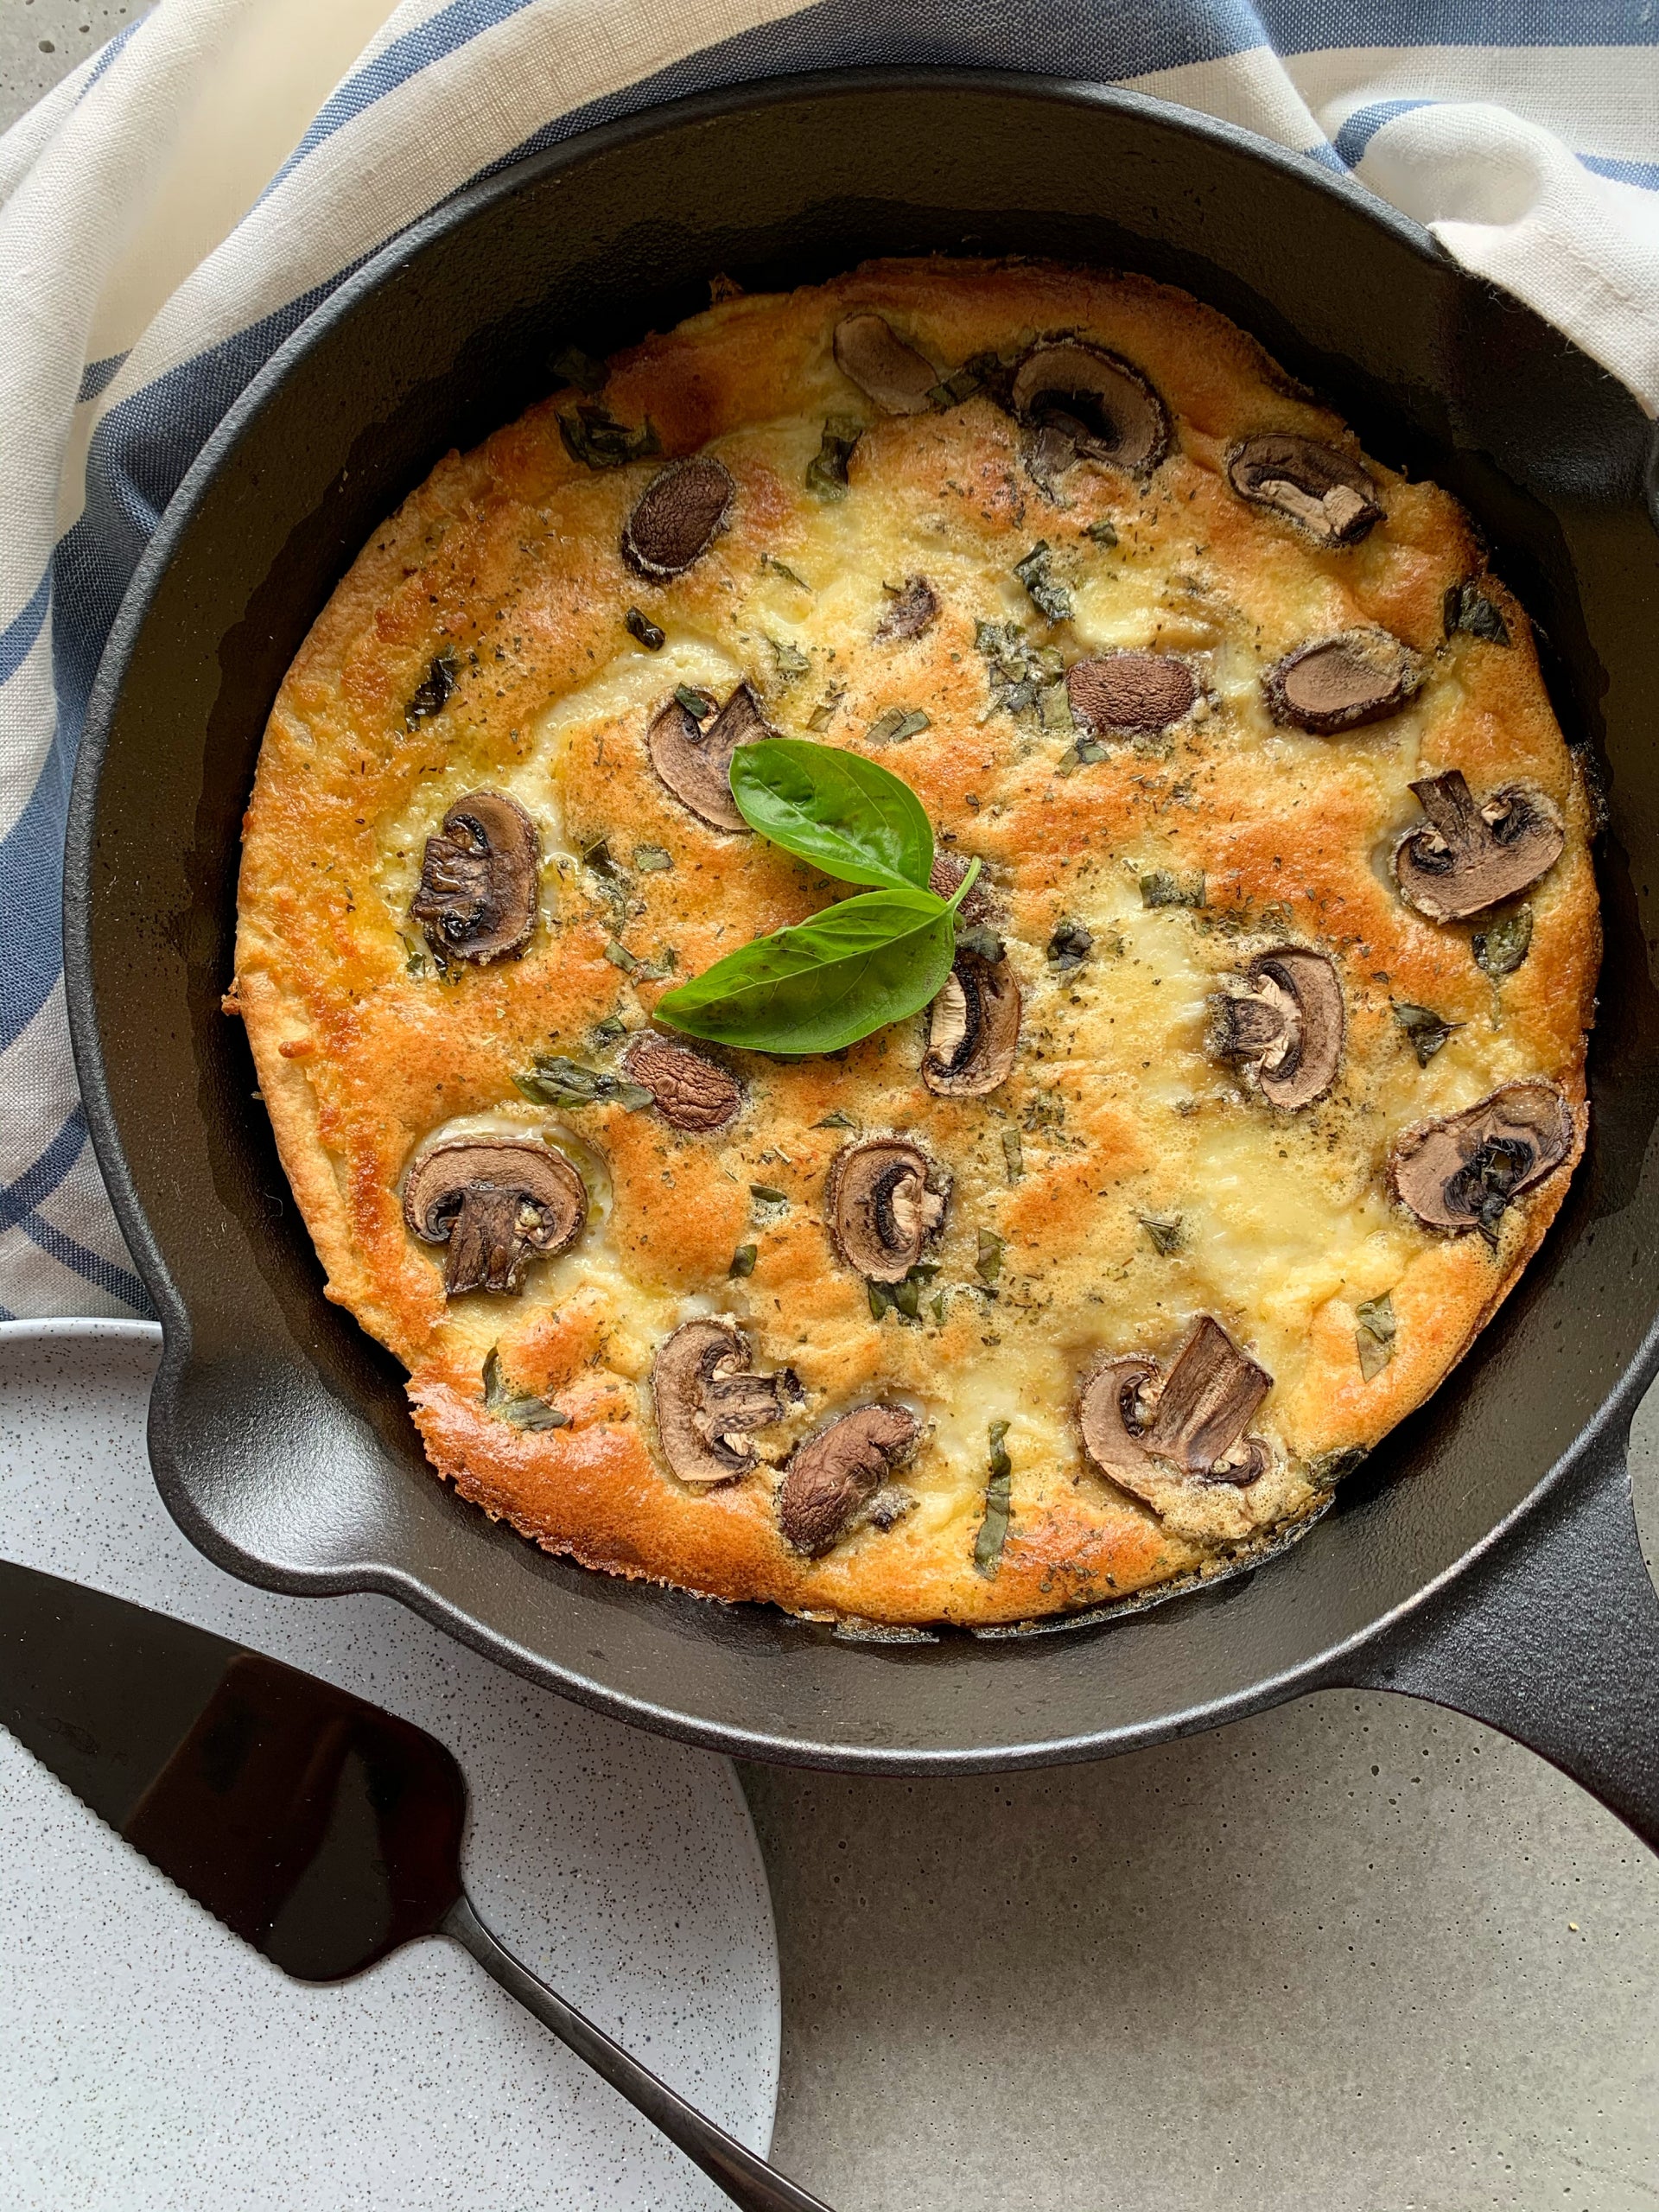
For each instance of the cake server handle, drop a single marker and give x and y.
(745, 2179)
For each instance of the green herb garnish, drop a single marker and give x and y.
(782, 569)
(697, 704)
(994, 1529)
(1103, 532)
(742, 1261)
(826, 472)
(518, 1407)
(836, 1122)
(1165, 1230)
(641, 627)
(1468, 608)
(989, 1263)
(551, 1080)
(431, 694)
(769, 1194)
(1163, 888)
(792, 661)
(899, 724)
(1374, 1336)
(1047, 595)
(855, 967)
(1501, 947)
(650, 860)
(594, 436)
(1425, 1029)
(1014, 1158)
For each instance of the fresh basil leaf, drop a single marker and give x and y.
(994, 1529)
(849, 817)
(826, 982)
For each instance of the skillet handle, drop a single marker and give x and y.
(1553, 1637)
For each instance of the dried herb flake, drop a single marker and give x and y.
(1163, 888)
(898, 726)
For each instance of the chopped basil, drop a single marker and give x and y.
(937, 1306)
(1054, 707)
(1163, 888)
(898, 725)
(1103, 532)
(571, 364)
(826, 472)
(986, 942)
(1013, 1154)
(768, 1194)
(836, 1122)
(594, 436)
(1425, 1029)
(642, 627)
(743, 1260)
(1374, 1338)
(1086, 750)
(608, 1030)
(1501, 947)
(782, 569)
(792, 661)
(651, 860)
(825, 713)
(1165, 1230)
(1468, 609)
(415, 960)
(1330, 1467)
(1069, 946)
(994, 1529)
(697, 704)
(432, 694)
(989, 1264)
(518, 1407)
(880, 1299)
(1017, 673)
(619, 956)
(552, 1080)
(1046, 593)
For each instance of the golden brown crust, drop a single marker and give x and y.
(508, 560)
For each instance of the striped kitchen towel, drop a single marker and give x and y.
(181, 202)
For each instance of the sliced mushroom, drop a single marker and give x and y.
(1130, 693)
(498, 1202)
(1196, 1421)
(1109, 1418)
(895, 376)
(915, 609)
(1317, 485)
(1287, 1029)
(837, 1473)
(944, 881)
(708, 1399)
(1082, 402)
(691, 1092)
(1338, 684)
(879, 1210)
(1474, 854)
(480, 884)
(975, 1029)
(678, 516)
(1463, 1170)
(694, 757)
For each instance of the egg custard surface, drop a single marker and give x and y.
(1257, 1080)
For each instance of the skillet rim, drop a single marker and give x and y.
(1602, 1436)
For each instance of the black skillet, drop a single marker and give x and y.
(1486, 1557)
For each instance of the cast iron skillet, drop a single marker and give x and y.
(1487, 1556)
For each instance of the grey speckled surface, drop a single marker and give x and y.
(1356, 1955)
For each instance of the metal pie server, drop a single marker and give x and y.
(318, 1828)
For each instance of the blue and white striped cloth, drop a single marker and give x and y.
(179, 203)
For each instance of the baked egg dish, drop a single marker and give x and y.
(1055, 1211)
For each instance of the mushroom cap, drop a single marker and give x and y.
(691, 1092)
(1288, 1028)
(879, 1212)
(1317, 487)
(944, 881)
(498, 1202)
(481, 884)
(1103, 408)
(678, 516)
(895, 376)
(975, 1029)
(838, 1471)
(708, 1399)
(1132, 692)
(694, 758)
(1461, 1171)
(1332, 685)
(1106, 1406)
(1473, 855)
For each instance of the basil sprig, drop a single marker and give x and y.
(857, 966)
